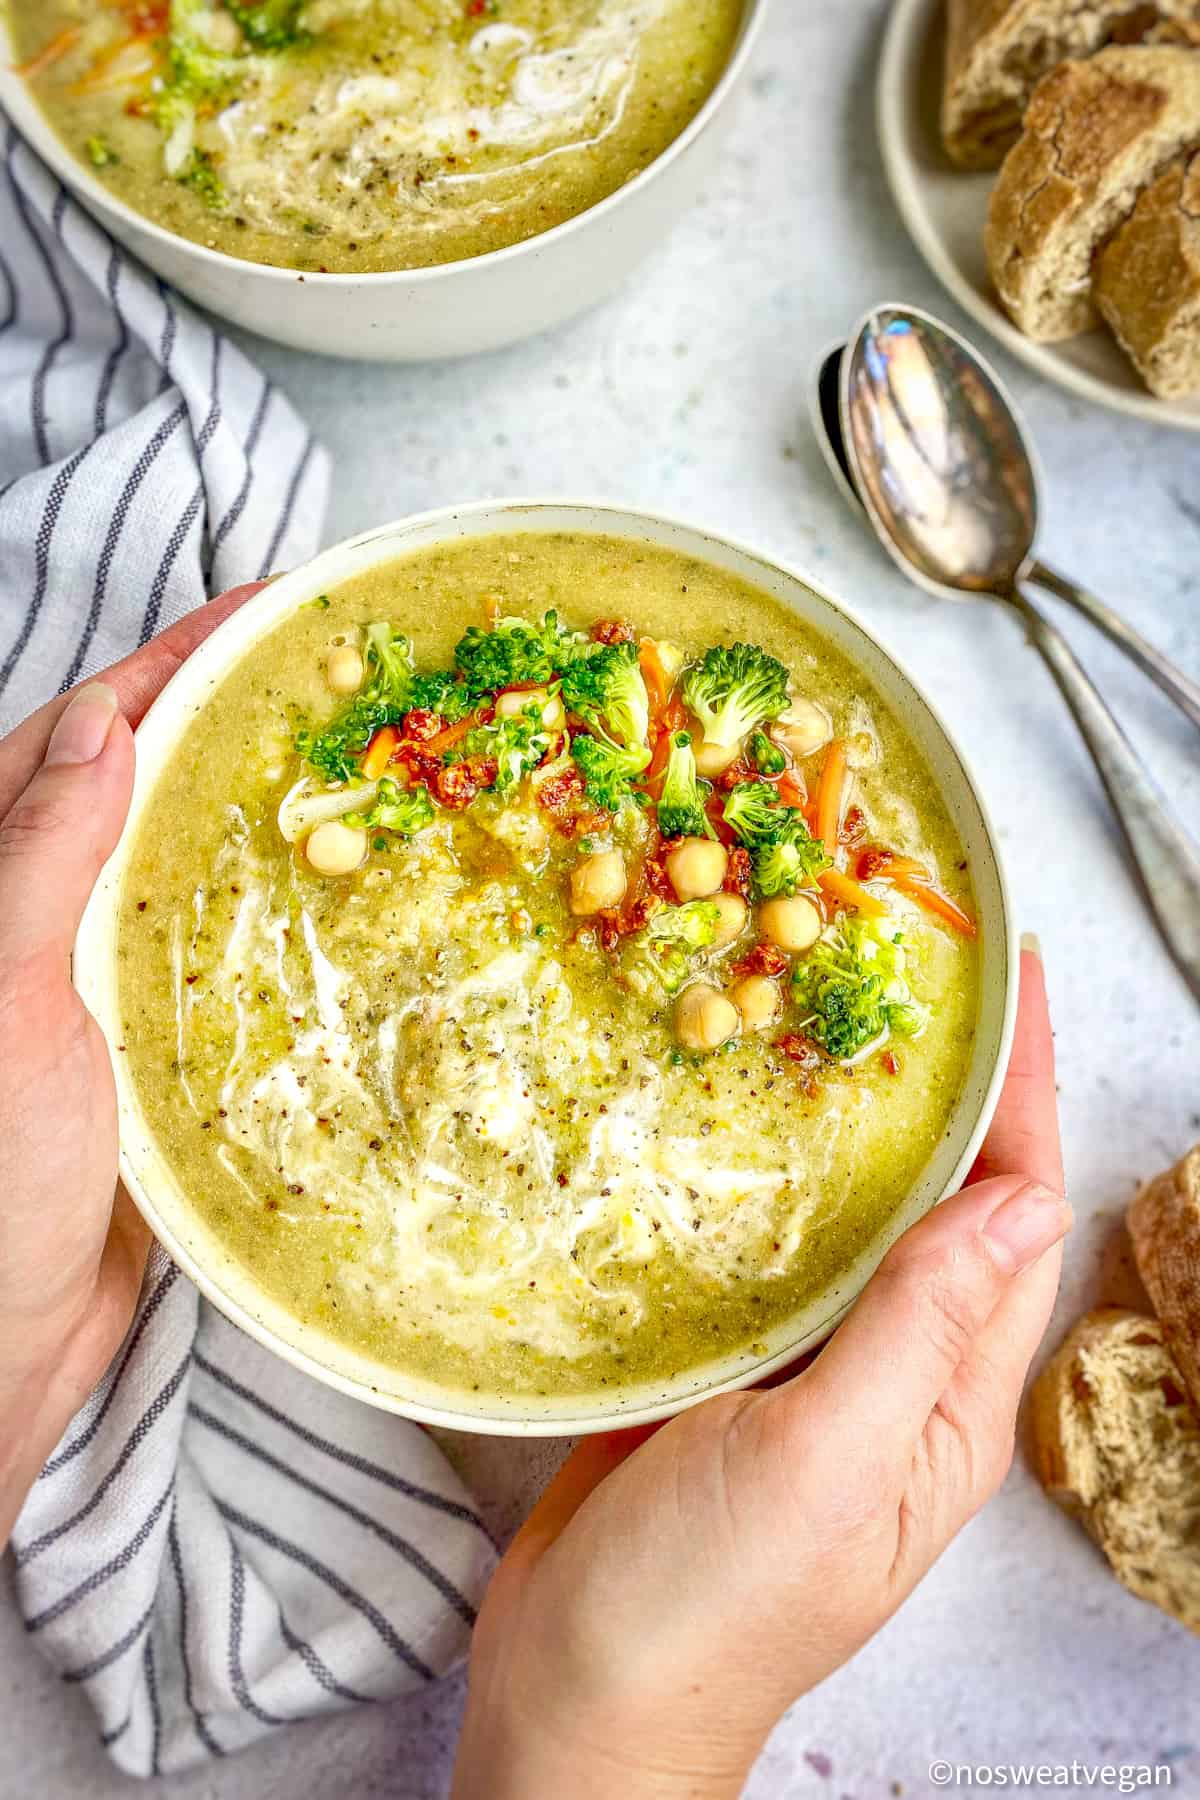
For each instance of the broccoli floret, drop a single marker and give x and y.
(788, 859)
(203, 179)
(681, 805)
(733, 690)
(608, 770)
(851, 989)
(606, 688)
(197, 69)
(100, 153)
(383, 699)
(769, 759)
(441, 692)
(389, 663)
(516, 745)
(515, 651)
(402, 810)
(270, 24)
(753, 810)
(665, 948)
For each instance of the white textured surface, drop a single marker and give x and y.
(688, 392)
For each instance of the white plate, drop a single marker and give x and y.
(945, 209)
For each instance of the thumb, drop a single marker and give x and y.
(922, 1313)
(60, 831)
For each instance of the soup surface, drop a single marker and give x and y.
(369, 134)
(523, 1031)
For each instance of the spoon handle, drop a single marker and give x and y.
(1166, 858)
(1179, 687)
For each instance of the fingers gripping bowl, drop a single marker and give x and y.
(552, 955)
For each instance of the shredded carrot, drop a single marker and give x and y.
(831, 792)
(914, 879)
(444, 740)
(934, 901)
(843, 889)
(657, 767)
(791, 789)
(53, 51)
(129, 64)
(380, 751)
(658, 687)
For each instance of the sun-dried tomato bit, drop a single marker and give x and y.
(738, 872)
(612, 631)
(456, 786)
(420, 725)
(764, 959)
(891, 1062)
(799, 1049)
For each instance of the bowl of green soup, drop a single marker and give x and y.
(410, 179)
(553, 953)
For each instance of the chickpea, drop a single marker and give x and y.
(734, 912)
(803, 728)
(696, 867)
(336, 849)
(704, 1018)
(758, 1000)
(598, 882)
(790, 923)
(344, 669)
(517, 701)
(713, 759)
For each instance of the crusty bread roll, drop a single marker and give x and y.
(1147, 284)
(998, 50)
(1164, 1223)
(1096, 134)
(1117, 1444)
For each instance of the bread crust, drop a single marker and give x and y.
(998, 50)
(1148, 283)
(1164, 1223)
(1117, 1445)
(1096, 134)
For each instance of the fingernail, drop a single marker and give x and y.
(82, 731)
(1026, 1225)
(1032, 942)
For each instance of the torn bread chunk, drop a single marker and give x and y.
(1164, 1223)
(998, 50)
(1117, 1445)
(1148, 286)
(1096, 134)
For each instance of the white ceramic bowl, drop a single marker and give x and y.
(147, 1172)
(453, 309)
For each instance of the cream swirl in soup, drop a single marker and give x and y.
(370, 134)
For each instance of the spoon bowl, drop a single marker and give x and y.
(918, 430)
(941, 459)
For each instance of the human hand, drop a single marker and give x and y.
(675, 1591)
(72, 1245)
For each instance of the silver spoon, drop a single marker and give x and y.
(925, 439)
(825, 410)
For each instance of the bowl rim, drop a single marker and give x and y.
(211, 663)
(35, 127)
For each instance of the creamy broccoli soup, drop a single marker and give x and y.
(369, 134)
(563, 964)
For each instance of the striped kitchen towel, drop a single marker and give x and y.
(144, 461)
(219, 1545)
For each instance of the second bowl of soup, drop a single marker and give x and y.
(418, 178)
(575, 951)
